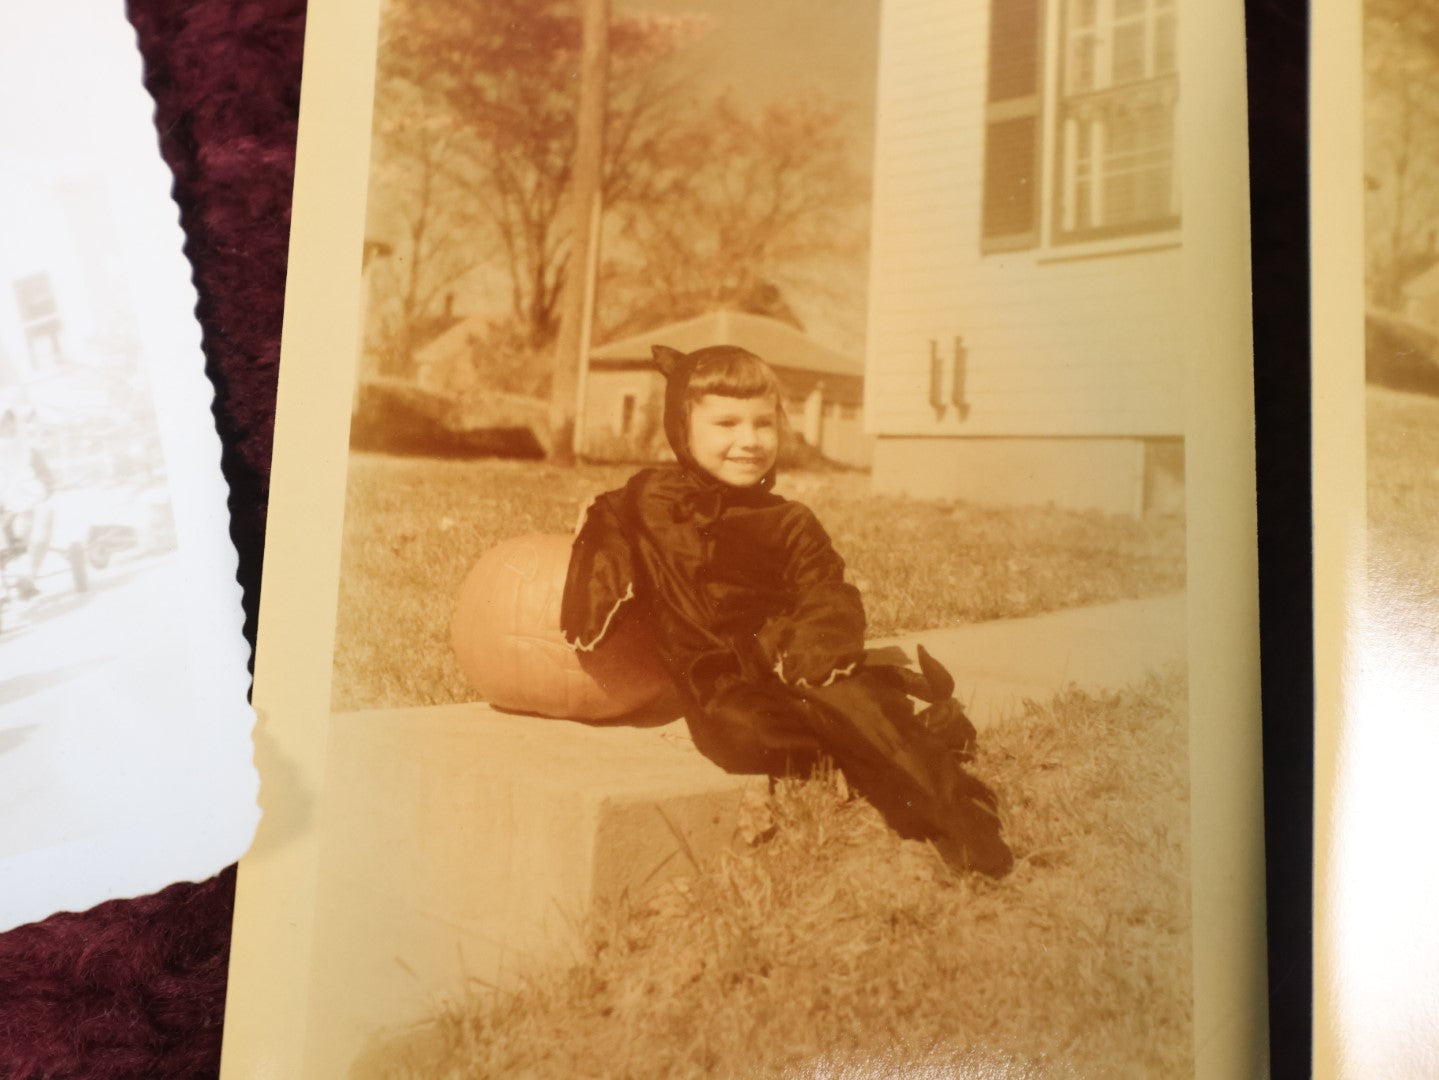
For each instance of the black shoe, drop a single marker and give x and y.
(973, 841)
(931, 683)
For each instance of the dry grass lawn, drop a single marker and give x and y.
(831, 948)
(413, 528)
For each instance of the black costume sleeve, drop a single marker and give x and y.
(821, 637)
(601, 577)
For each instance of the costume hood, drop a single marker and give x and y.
(678, 368)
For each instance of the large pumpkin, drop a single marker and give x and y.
(506, 635)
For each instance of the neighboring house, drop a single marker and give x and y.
(445, 362)
(1025, 263)
(379, 358)
(823, 389)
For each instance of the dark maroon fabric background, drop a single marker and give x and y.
(136, 988)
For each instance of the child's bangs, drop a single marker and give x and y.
(736, 374)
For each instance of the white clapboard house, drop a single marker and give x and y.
(1025, 273)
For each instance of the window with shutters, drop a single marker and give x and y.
(1012, 148)
(1111, 124)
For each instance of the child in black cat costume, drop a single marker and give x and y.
(758, 628)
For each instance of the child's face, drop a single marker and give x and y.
(735, 439)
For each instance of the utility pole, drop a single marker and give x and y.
(577, 308)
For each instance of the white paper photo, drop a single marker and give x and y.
(125, 758)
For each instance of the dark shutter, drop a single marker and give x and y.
(1010, 216)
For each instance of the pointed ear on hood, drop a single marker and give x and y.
(666, 359)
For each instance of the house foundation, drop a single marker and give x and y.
(1132, 476)
(464, 847)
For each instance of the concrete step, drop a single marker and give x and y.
(465, 845)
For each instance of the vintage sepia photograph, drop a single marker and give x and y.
(1378, 349)
(1401, 304)
(124, 729)
(761, 552)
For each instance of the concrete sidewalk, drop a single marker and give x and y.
(460, 844)
(997, 665)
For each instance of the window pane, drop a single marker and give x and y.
(1084, 177)
(1013, 49)
(1081, 63)
(1010, 174)
(1114, 170)
(1137, 165)
(1128, 53)
(1164, 48)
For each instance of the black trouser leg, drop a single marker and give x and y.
(746, 729)
(910, 776)
(869, 728)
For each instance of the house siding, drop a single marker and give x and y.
(1055, 346)
(604, 404)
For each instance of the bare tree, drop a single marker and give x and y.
(751, 207)
(505, 72)
(435, 241)
(705, 204)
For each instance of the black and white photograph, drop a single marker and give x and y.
(753, 475)
(125, 760)
(1377, 467)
